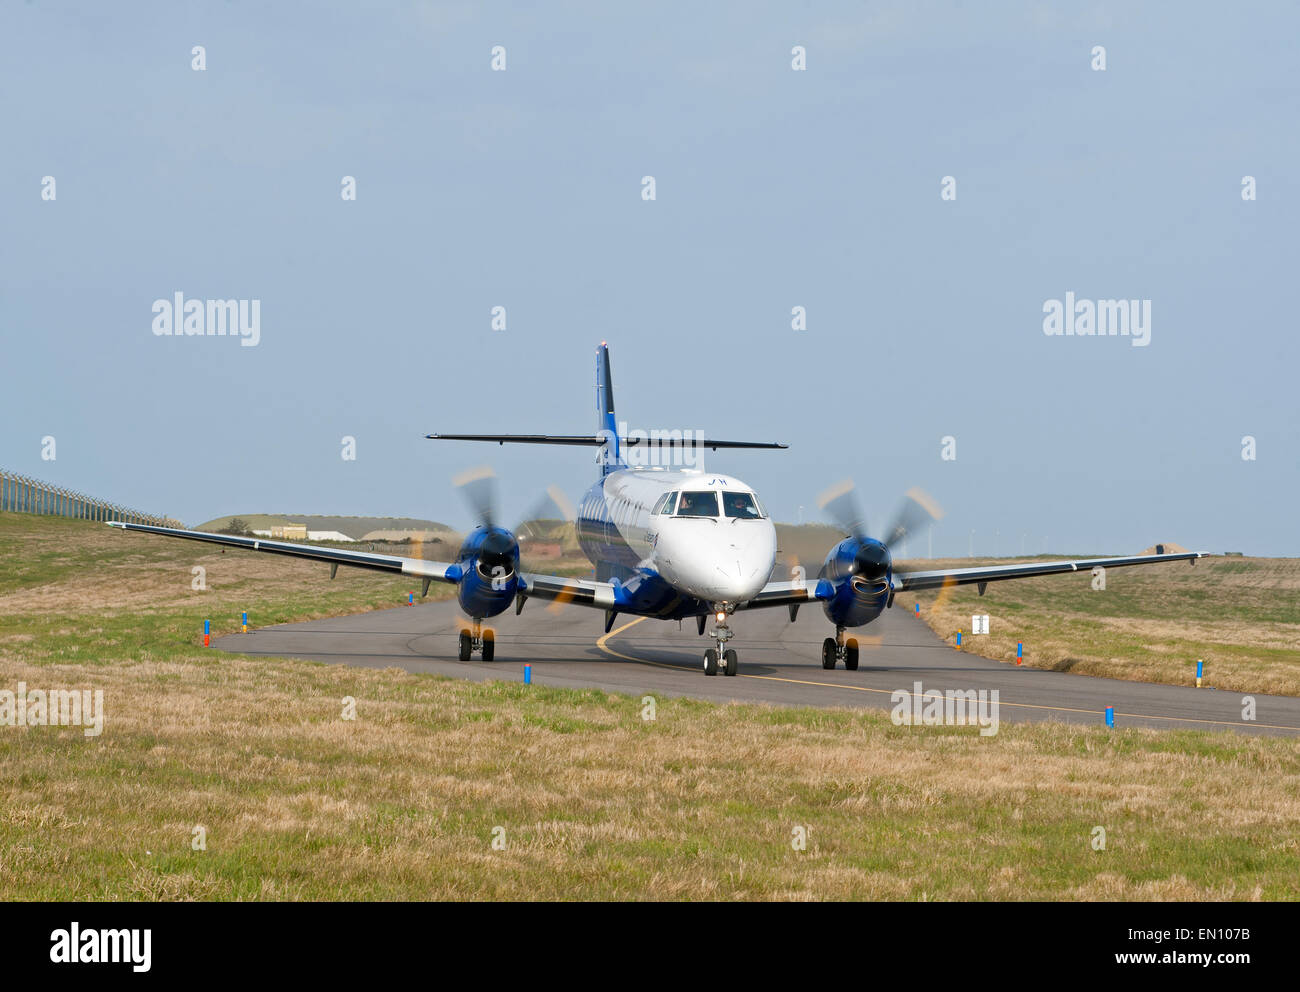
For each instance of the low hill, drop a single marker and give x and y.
(354, 527)
(804, 544)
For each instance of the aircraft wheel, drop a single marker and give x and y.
(466, 646)
(732, 661)
(489, 645)
(828, 653)
(851, 655)
(710, 662)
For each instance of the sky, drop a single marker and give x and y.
(774, 188)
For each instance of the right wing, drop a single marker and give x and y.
(438, 571)
(583, 592)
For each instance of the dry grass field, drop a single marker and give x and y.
(585, 798)
(1241, 616)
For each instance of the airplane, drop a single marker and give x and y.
(673, 544)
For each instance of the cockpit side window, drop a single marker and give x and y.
(703, 504)
(666, 505)
(741, 506)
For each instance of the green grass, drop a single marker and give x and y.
(595, 802)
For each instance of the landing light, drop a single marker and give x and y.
(721, 616)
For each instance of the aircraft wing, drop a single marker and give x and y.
(981, 574)
(796, 592)
(438, 571)
(583, 592)
(789, 594)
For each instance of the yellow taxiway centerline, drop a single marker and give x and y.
(600, 643)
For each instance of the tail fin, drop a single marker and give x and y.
(607, 437)
(606, 425)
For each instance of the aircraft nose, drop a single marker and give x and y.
(727, 565)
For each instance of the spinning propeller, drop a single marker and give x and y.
(478, 487)
(873, 556)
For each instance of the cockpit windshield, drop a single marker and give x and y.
(740, 506)
(703, 504)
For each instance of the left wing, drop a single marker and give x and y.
(793, 593)
(789, 593)
(982, 574)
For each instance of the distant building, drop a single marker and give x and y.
(426, 536)
(289, 532)
(328, 535)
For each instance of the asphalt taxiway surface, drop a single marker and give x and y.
(780, 663)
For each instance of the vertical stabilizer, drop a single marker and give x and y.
(606, 425)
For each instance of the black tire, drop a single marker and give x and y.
(466, 646)
(731, 662)
(710, 662)
(489, 645)
(828, 653)
(851, 655)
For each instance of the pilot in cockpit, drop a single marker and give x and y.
(739, 505)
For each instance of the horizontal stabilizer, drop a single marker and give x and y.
(591, 440)
(596, 440)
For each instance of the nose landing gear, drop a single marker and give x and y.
(476, 639)
(840, 648)
(721, 633)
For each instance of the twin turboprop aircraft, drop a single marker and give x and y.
(673, 545)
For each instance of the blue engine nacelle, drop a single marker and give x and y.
(859, 570)
(489, 561)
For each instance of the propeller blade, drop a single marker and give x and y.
(478, 486)
(840, 503)
(918, 510)
(552, 500)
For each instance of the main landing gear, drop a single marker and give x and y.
(477, 639)
(839, 648)
(730, 661)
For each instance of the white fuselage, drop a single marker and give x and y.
(723, 556)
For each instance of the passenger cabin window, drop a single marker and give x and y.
(666, 506)
(698, 505)
(741, 506)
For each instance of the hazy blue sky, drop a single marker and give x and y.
(775, 189)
